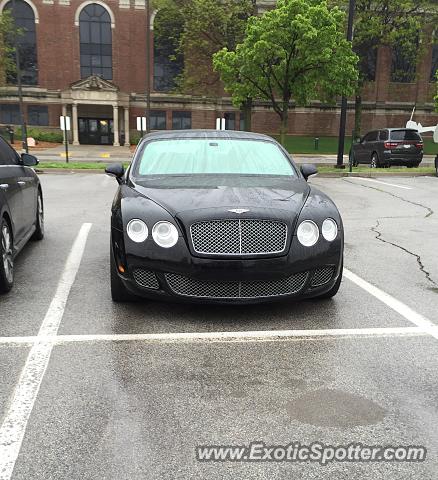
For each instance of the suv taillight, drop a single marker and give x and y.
(390, 145)
(419, 145)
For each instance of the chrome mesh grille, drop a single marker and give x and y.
(239, 237)
(190, 287)
(146, 278)
(322, 276)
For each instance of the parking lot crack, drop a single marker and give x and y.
(379, 236)
(429, 213)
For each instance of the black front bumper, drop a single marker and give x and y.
(297, 275)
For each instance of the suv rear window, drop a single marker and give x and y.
(405, 135)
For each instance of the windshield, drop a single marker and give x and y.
(212, 156)
(405, 135)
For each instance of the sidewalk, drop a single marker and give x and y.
(110, 154)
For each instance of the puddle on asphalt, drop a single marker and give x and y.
(335, 408)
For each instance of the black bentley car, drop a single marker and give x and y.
(21, 208)
(221, 217)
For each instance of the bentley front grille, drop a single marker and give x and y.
(239, 237)
(189, 287)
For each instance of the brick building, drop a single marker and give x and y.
(87, 59)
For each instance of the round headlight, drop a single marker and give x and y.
(165, 234)
(308, 233)
(329, 229)
(137, 231)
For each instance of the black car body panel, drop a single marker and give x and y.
(187, 200)
(392, 147)
(19, 187)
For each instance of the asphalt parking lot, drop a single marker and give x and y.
(128, 391)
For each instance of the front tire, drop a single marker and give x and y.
(39, 222)
(119, 293)
(6, 257)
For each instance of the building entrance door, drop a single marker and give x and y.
(96, 131)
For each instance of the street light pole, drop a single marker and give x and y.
(343, 121)
(148, 66)
(19, 86)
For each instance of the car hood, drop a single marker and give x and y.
(193, 199)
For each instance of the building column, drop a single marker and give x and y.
(116, 125)
(126, 112)
(74, 122)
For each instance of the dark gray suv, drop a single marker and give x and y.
(390, 146)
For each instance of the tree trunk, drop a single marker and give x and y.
(357, 116)
(247, 114)
(284, 117)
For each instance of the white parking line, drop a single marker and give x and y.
(417, 319)
(14, 426)
(15, 422)
(379, 181)
(238, 336)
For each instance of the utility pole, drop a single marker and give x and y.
(20, 90)
(343, 121)
(148, 66)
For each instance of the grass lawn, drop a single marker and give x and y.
(322, 169)
(379, 171)
(329, 145)
(74, 165)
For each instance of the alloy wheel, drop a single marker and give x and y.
(40, 214)
(7, 258)
(373, 161)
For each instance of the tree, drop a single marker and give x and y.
(296, 51)
(391, 23)
(436, 98)
(7, 64)
(208, 26)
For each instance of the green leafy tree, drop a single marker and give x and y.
(208, 26)
(391, 23)
(296, 51)
(7, 64)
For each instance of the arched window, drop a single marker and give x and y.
(96, 42)
(168, 62)
(24, 20)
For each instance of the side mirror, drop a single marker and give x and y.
(308, 170)
(28, 160)
(115, 170)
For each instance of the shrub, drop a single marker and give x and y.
(41, 135)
